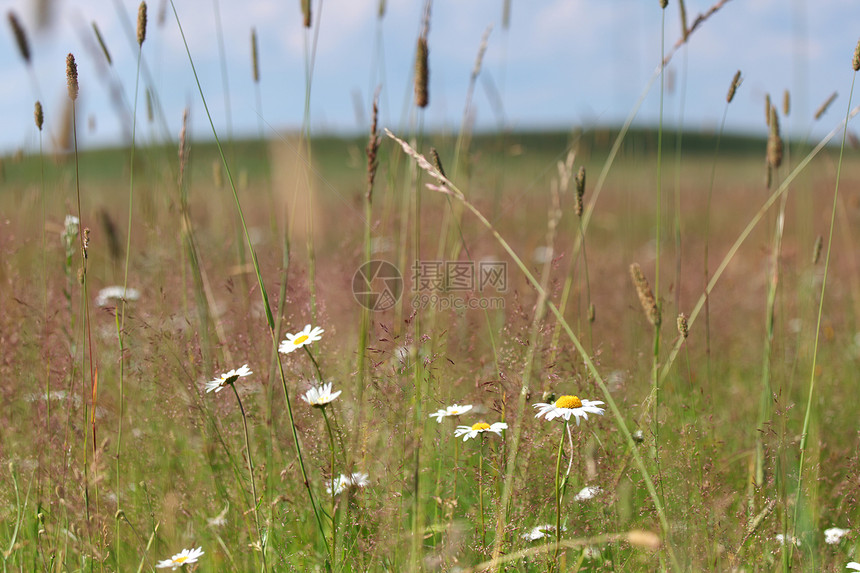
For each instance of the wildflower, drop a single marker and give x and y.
(475, 429)
(781, 539)
(853, 565)
(358, 479)
(354, 480)
(587, 493)
(116, 293)
(299, 339)
(185, 557)
(219, 520)
(834, 535)
(454, 410)
(338, 484)
(568, 406)
(226, 379)
(320, 397)
(541, 531)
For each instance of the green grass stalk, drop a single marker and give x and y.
(807, 416)
(264, 294)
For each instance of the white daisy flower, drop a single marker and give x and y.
(344, 482)
(320, 397)
(228, 378)
(541, 531)
(359, 479)
(834, 535)
(853, 565)
(339, 484)
(587, 493)
(454, 410)
(117, 293)
(300, 339)
(568, 406)
(475, 429)
(186, 557)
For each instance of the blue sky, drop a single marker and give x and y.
(561, 64)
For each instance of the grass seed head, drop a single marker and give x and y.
(664, 3)
(592, 313)
(774, 141)
(373, 147)
(736, 82)
(646, 296)
(822, 109)
(855, 63)
(102, 44)
(20, 37)
(422, 73)
(306, 13)
(683, 327)
(768, 107)
(816, 249)
(39, 115)
(72, 77)
(141, 23)
(255, 62)
(786, 103)
(580, 190)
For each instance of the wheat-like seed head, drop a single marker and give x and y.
(39, 115)
(816, 249)
(646, 296)
(306, 12)
(774, 141)
(372, 147)
(736, 82)
(422, 73)
(683, 328)
(580, 190)
(768, 108)
(786, 103)
(183, 147)
(72, 77)
(20, 37)
(822, 109)
(141, 24)
(255, 63)
(855, 63)
(102, 44)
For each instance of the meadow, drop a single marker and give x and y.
(656, 371)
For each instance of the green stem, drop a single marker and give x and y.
(804, 435)
(333, 490)
(251, 475)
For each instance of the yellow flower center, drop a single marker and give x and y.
(568, 402)
(481, 426)
(182, 559)
(300, 339)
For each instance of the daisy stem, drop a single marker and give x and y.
(251, 474)
(316, 364)
(333, 488)
(558, 497)
(481, 491)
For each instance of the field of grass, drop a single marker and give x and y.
(724, 434)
